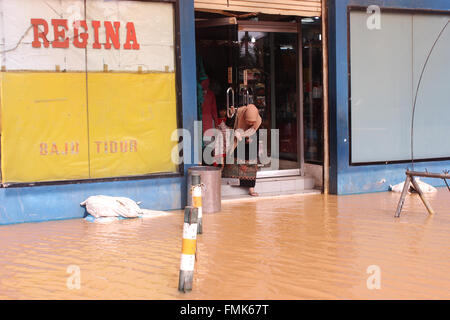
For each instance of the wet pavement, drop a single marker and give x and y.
(289, 247)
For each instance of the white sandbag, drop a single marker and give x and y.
(426, 188)
(106, 206)
(398, 187)
(132, 207)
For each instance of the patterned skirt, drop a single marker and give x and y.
(243, 169)
(245, 172)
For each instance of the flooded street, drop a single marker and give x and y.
(292, 247)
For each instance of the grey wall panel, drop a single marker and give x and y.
(381, 80)
(432, 119)
(385, 69)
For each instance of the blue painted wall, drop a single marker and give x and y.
(346, 179)
(41, 203)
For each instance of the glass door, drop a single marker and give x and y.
(261, 62)
(268, 78)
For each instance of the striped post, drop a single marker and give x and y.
(188, 249)
(197, 200)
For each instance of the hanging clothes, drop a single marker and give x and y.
(201, 76)
(209, 108)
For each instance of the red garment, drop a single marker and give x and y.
(209, 107)
(219, 121)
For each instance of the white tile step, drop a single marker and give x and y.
(270, 195)
(276, 185)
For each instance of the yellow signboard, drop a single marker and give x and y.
(131, 119)
(44, 126)
(50, 131)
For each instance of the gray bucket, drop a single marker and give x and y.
(211, 178)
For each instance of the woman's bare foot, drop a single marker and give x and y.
(251, 191)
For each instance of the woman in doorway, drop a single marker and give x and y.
(245, 121)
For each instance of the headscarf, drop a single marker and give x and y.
(247, 113)
(244, 114)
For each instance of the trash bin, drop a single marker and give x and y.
(211, 178)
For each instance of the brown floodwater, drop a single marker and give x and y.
(291, 247)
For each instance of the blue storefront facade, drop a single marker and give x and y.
(348, 178)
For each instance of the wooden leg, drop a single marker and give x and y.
(401, 202)
(425, 202)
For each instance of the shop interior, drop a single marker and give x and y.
(257, 56)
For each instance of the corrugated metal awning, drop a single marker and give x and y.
(303, 8)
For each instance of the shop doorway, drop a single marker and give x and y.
(262, 61)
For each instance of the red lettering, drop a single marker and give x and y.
(112, 146)
(74, 146)
(133, 146)
(43, 35)
(123, 146)
(96, 25)
(66, 149)
(84, 36)
(112, 35)
(43, 147)
(60, 33)
(131, 36)
(54, 149)
(80, 40)
(98, 145)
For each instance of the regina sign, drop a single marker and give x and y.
(80, 39)
(124, 35)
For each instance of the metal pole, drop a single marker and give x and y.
(310, 93)
(326, 157)
(403, 196)
(428, 175)
(273, 115)
(300, 117)
(422, 196)
(410, 179)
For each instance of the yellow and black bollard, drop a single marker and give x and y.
(196, 193)
(188, 249)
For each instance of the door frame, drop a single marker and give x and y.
(281, 27)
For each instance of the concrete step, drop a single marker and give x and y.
(270, 195)
(270, 186)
